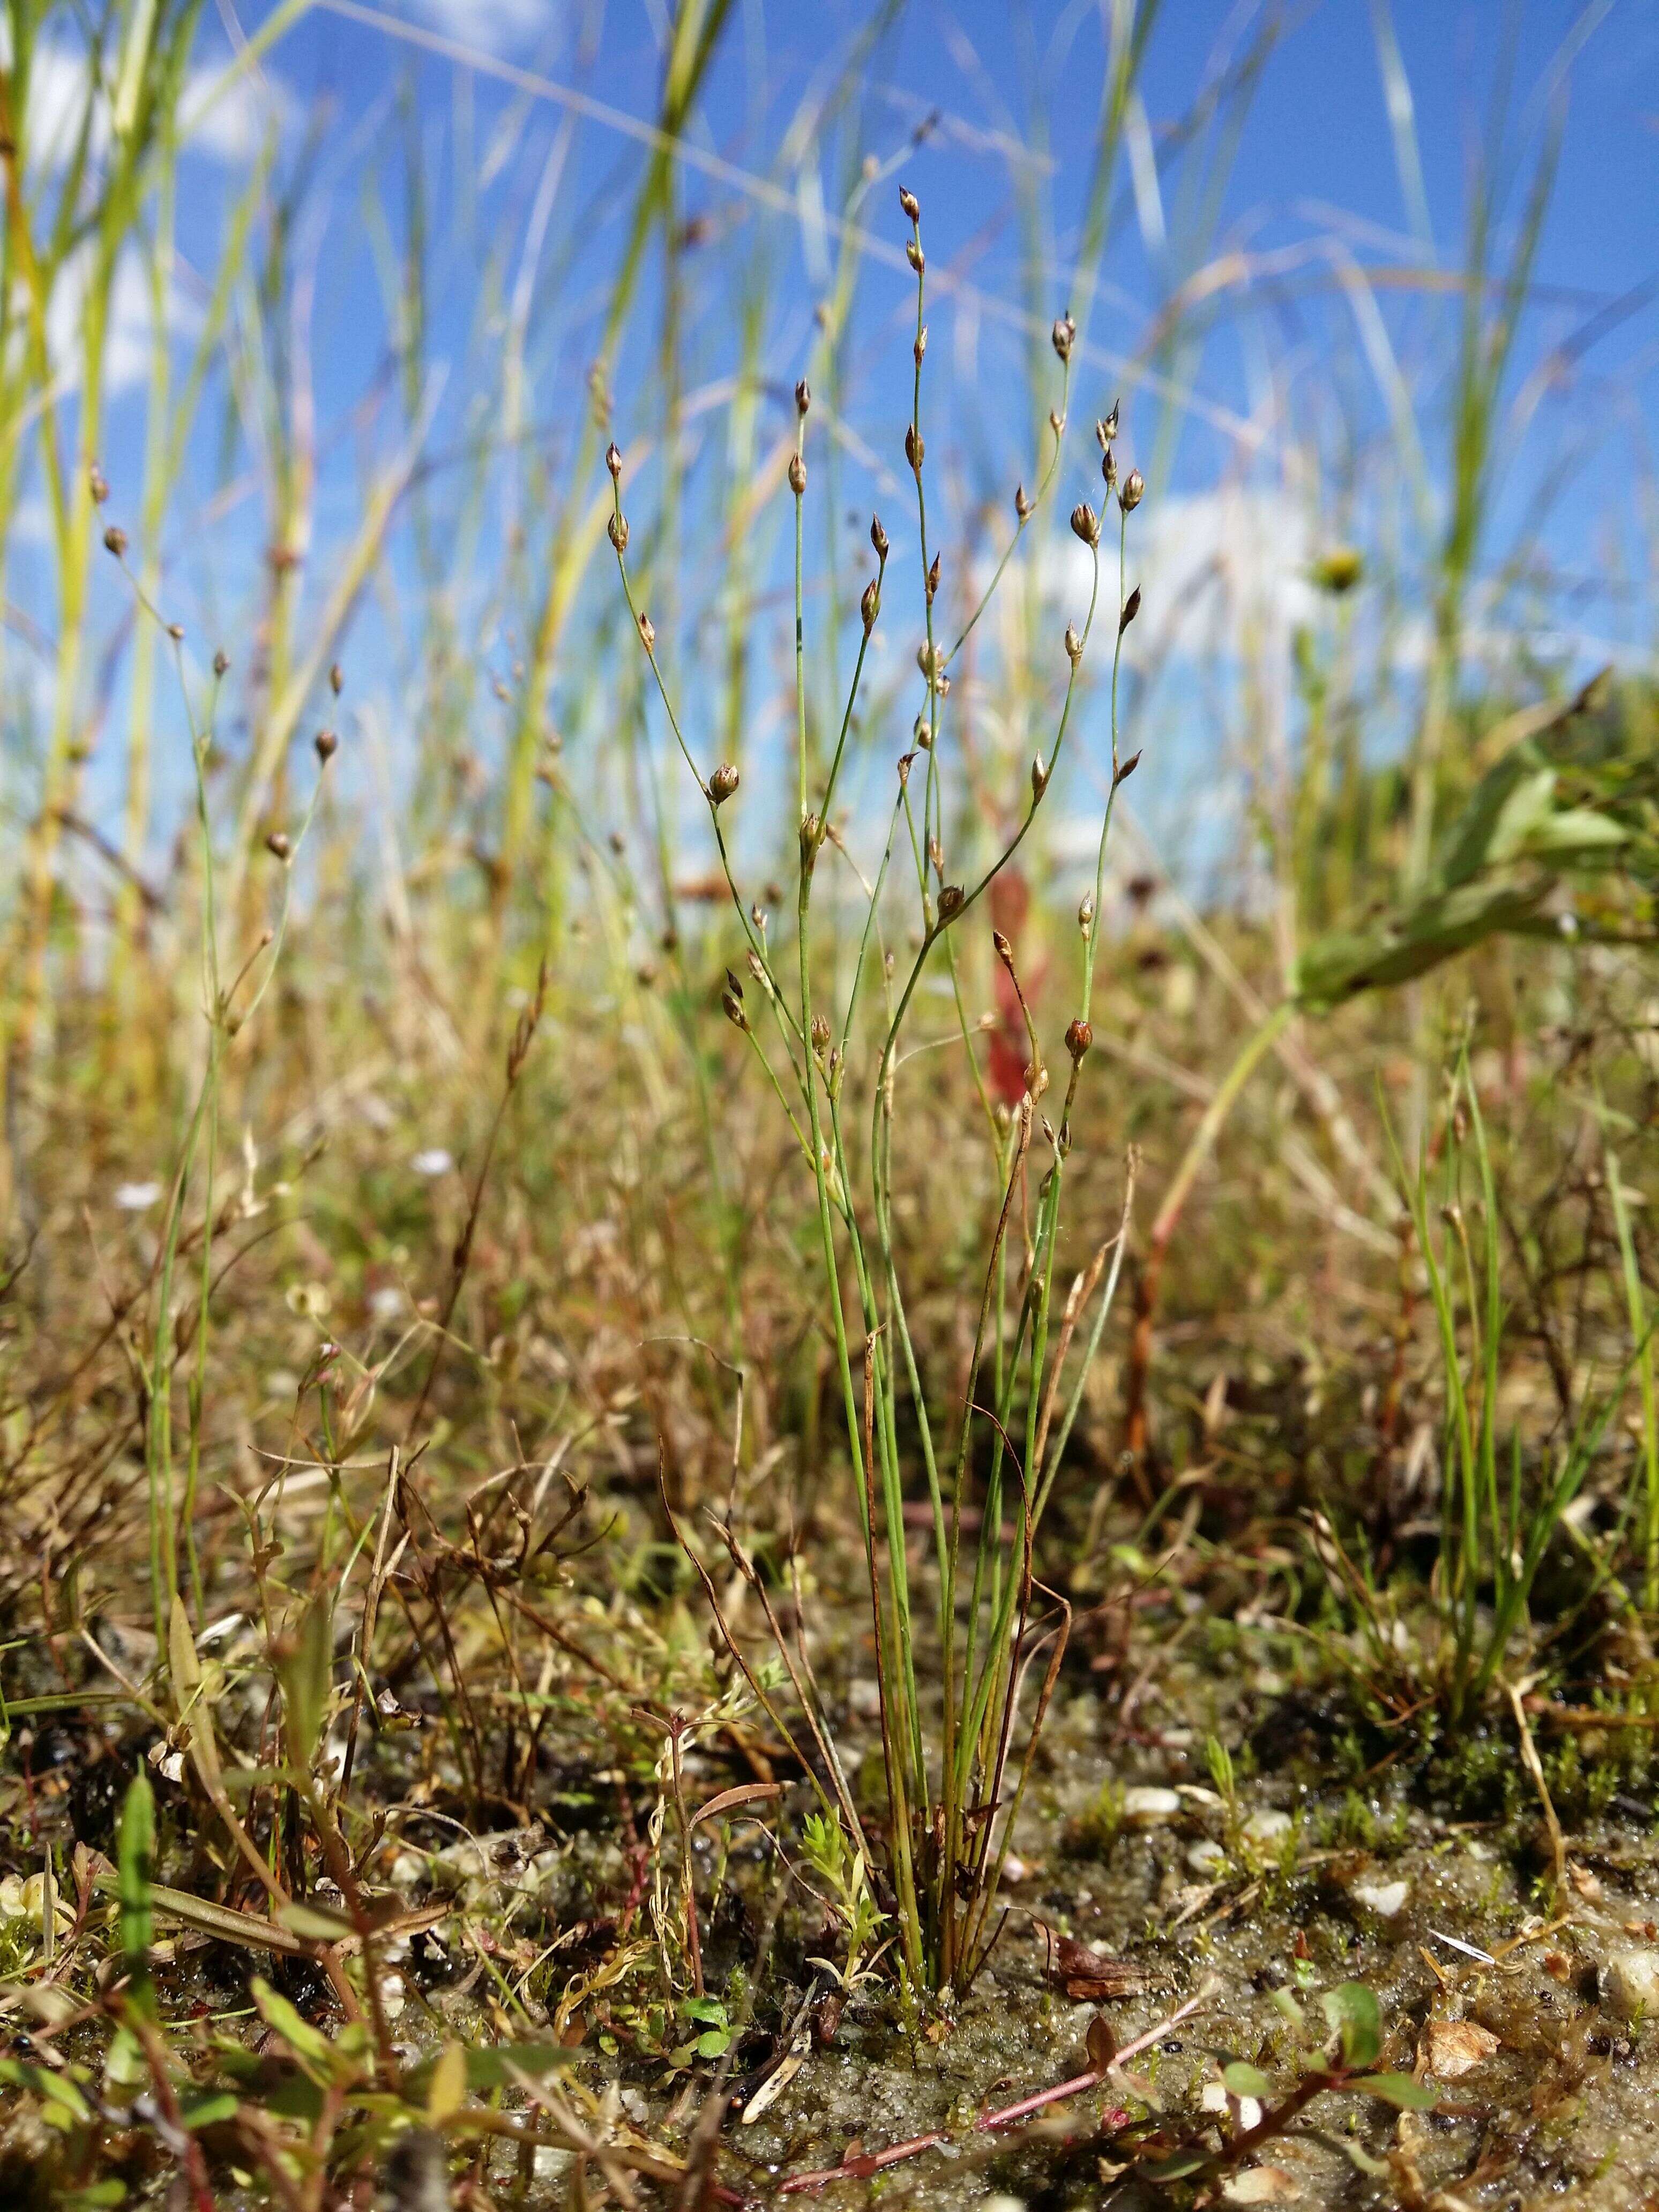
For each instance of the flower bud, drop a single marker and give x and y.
(820, 1034)
(617, 531)
(1107, 431)
(951, 900)
(722, 783)
(1074, 645)
(1108, 468)
(870, 606)
(797, 474)
(915, 256)
(922, 733)
(326, 744)
(97, 484)
(910, 203)
(1079, 1037)
(1131, 609)
(220, 662)
(278, 845)
(1039, 777)
(613, 460)
(1122, 774)
(933, 580)
(1022, 505)
(919, 348)
(733, 1007)
(1133, 485)
(811, 833)
(803, 397)
(115, 540)
(336, 679)
(1062, 334)
(914, 448)
(1085, 524)
(878, 537)
(1086, 916)
(647, 632)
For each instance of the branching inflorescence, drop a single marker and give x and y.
(950, 1809)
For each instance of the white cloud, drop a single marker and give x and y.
(224, 125)
(501, 26)
(128, 337)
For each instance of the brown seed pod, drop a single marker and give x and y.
(797, 474)
(803, 397)
(1023, 504)
(613, 460)
(878, 537)
(1134, 485)
(1039, 777)
(336, 680)
(648, 633)
(278, 845)
(617, 531)
(221, 661)
(870, 606)
(1064, 331)
(115, 540)
(913, 448)
(1131, 609)
(1080, 1035)
(326, 744)
(723, 782)
(951, 900)
(1085, 524)
(910, 203)
(1074, 645)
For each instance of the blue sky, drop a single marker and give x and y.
(1296, 186)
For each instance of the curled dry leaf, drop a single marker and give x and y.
(1087, 1976)
(1452, 2048)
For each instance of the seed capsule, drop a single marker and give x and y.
(951, 900)
(1107, 431)
(97, 484)
(723, 782)
(617, 531)
(1131, 609)
(803, 397)
(278, 844)
(326, 744)
(1074, 645)
(1123, 773)
(820, 1034)
(910, 203)
(1079, 1037)
(878, 537)
(797, 474)
(915, 256)
(613, 460)
(1039, 777)
(1085, 523)
(1022, 504)
(733, 1010)
(647, 632)
(1086, 916)
(1133, 485)
(870, 606)
(115, 540)
(933, 580)
(221, 661)
(914, 448)
(1108, 468)
(1064, 331)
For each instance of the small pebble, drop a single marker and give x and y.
(1632, 1984)
(1384, 1898)
(1205, 1858)
(1148, 1807)
(1266, 1828)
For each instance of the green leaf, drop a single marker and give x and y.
(307, 2042)
(1398, 2089)
(135, 1872)
(1178, 2165)
(713, 2042)
(316, 1925)
(306, 1673)
(207, 2110)
(56, 2088)
(1283, 2001)
(1356, 2022)
(488, 2067)
(1246, 2080)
